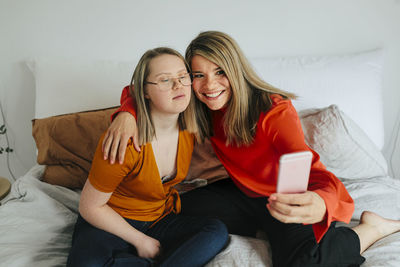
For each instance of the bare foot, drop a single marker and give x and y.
(382, 225)
(373, 227)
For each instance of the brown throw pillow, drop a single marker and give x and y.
(205, 168)
(205, 164)
(66, 145)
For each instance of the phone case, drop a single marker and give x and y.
(294, 171)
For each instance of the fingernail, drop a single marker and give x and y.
(272, 197)
(111, 161)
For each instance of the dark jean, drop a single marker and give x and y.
(185, 241)
(291, 244)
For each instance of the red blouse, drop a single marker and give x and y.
(254, 168)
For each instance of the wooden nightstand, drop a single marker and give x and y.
(5, 187)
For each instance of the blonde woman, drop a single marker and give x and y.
(250, 125)
(129, 212)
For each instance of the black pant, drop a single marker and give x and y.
(292, 244)
(186, 241)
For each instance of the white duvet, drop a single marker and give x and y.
(37, 219)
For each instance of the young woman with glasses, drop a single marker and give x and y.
(129, 213)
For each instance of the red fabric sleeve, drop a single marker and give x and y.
(288, 137)
(127, 103)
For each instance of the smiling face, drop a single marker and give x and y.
(174, 100)
(210, 83)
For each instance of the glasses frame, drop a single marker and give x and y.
(174, 78)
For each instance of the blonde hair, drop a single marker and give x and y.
(250, 94)
(146, 131)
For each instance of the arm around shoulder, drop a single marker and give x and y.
(127, 102)
(121, 130)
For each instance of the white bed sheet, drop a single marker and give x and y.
(36, 222)
(37, 219)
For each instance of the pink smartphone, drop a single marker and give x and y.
(294, 171)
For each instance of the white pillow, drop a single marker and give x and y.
(350, 81)
(353, 82)
(67, 86)
(343, 146)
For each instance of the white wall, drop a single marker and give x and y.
(123, 29)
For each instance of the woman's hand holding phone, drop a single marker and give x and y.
(293, 203)
(307, 207)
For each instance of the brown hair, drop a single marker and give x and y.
(250, 94)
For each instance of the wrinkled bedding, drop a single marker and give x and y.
(37, 219)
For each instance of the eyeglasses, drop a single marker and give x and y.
(166, 83)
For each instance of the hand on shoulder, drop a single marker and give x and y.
(117, 136)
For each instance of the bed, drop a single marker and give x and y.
(340, 107)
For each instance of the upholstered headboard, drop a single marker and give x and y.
(352, 82)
